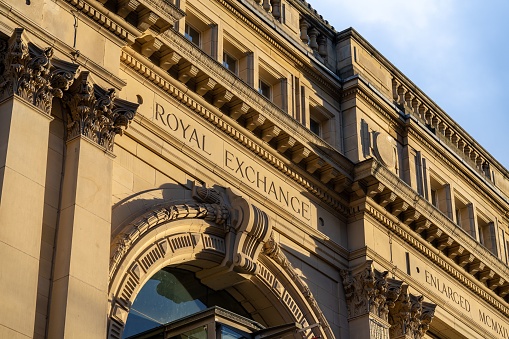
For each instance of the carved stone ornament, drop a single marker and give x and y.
(411, 316)
(247, 229)
(273, 250)
(31, 73)
(95, 112)
(370, 292)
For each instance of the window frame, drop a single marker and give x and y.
(189, 37)
(226, 64)
(269, 87)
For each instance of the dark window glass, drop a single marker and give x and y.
(314, 126)
(192, 35)
(265, 90)
(230, 63)
(172, 294)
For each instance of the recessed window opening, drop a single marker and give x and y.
(314, 126)
(265, 89)
(487, 236)
(271, 81)
(193, 35)
(230, 63)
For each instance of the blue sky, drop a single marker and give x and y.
(456, 51)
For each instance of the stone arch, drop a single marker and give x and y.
(227, 242)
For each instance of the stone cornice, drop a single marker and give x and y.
(351, 33)
(357, 88)
(370, 174)
(452, 163)
(410, 237)
(333, 82)
(58, 45)
(224, 123)
(417, 285)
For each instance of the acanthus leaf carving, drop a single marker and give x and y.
(32, 73)
(411, 316)
(368, 290)
(96, 113)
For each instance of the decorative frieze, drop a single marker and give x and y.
(30, 72)
(95, 112)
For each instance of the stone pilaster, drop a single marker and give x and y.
(369, 296)
(381, 307)
(80, 277)
(29, 80)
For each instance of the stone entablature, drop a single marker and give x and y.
(319, 164)
(418, 222)
(392, 310)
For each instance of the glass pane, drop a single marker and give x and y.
(172, 294)
(230, 63)
(314, 126)
(197, 333)
(228, 332)
(192, 35)
(264, 89)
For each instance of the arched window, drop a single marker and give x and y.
(173, 294)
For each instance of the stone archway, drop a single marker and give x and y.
(227, 242)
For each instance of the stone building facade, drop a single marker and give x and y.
(237, 169)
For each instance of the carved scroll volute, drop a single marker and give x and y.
(95, 113)
(428, 312)
(252, 229)
(393, 292)
(399, 315)
(30, 72)
(80, 101)
(353, 283)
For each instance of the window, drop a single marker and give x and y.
(321, 120)
(314, 126)
(464, 214)
(230, 63)
(200, 30)
(238, 58)
(265, 89)
(172, 294)
(440, 196)
(487, 236)
(273, 85)
(192, 35)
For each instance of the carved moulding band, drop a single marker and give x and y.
(239, 233)
(32, 73)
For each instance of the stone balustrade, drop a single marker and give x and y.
(442, 126)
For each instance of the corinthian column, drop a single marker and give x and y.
(29, 79)
(369, 296)
(80, 278)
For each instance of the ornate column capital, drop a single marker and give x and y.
(368, 290)
(95, 113)
(31, 72)
(411, 316)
